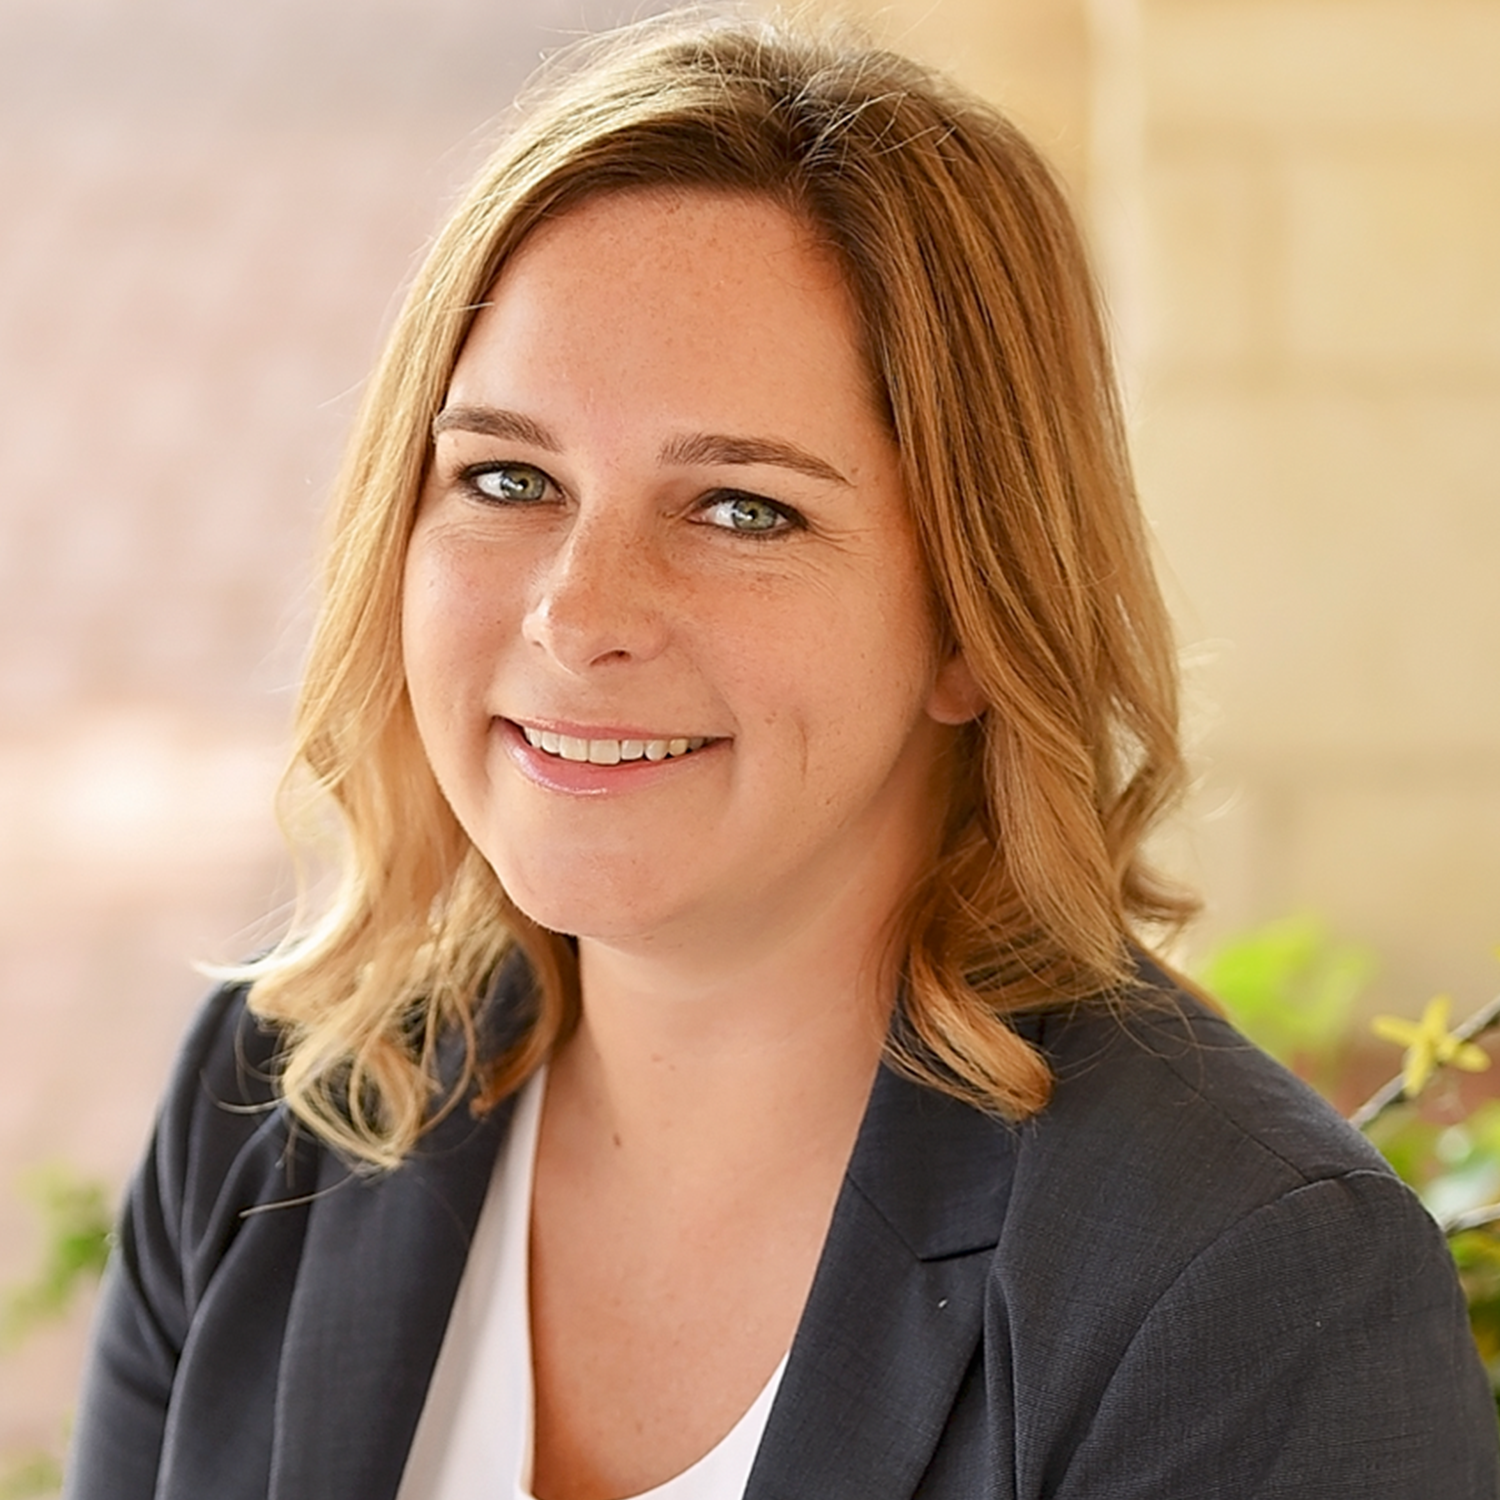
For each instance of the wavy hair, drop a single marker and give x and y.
(983, 332)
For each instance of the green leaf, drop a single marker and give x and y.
(1291, 988)
(76, 1233)
(33, 1475)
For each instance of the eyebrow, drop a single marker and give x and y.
(714, 448)
(495, 422)
(696, 448)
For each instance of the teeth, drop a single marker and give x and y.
(609, 752)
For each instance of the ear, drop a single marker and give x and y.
(956, 697)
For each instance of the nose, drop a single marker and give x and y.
(599, 598)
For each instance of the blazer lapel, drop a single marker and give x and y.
(381, 1267)
(893, 1319)
(891, 1325)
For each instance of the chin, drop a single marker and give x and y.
(609, 912)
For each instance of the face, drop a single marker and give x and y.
(667, 635)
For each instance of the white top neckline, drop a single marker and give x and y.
(474, 1439)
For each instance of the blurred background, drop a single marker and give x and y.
(207, 210)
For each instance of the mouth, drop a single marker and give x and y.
(608, 752)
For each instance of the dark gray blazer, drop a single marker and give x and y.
(1185, 1279)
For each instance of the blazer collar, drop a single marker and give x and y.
(381, 1267)
(893, 1319)
(891, 1324)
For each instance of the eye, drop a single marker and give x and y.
(751, 515)
(509, 484)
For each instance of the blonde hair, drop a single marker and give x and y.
(984, 336)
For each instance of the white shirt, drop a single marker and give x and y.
(475, 1435)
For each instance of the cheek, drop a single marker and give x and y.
(849, 678)
(452, 617)
(446, 657)
(895, 641)
(425, 624)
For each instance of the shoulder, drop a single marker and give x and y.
(1172, 1142)
(1169, 1126)
(1161, 1079)
(222, 1149)
(223, 1082)
(1165, 1127)
(227, 1055)
(223, 1145)
(1194, 1238)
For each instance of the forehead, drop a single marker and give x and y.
(682, 226)
(719, 293)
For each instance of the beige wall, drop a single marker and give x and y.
(1297, 208)
(1030, 55)
(1319, 444)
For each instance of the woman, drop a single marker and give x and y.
(729, 1064)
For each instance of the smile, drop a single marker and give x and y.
(607, 752)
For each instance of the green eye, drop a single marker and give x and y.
(748, 513)
(511, 484)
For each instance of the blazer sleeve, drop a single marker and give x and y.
(1318, 1349)
(182, 1210)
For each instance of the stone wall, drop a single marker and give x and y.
(1320, 448)
(1296, 208)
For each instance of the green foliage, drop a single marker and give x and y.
(1477, 1254)
(76, 1236)
(1290, 987)
(76, 1225)
(1454, 1166)
(35, 1475)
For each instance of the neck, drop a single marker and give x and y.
(689, 1077)
(696, 1059)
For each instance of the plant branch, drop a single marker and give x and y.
(1487, 1018)
(1474, 1218)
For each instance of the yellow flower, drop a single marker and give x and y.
(1429, 1045)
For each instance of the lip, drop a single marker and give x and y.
(584, 778)
(577, 731)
